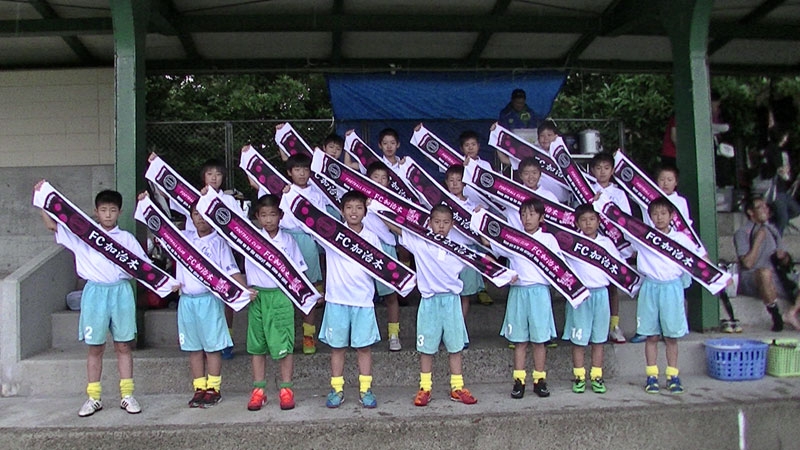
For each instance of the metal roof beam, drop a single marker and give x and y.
(47, 12)
(163, 20)
(586, 39)
(55, 27)
(753, 16)
(336, 38)
(479, 46)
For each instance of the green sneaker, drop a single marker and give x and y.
(579, 386)
(674, 385)
(598, 386)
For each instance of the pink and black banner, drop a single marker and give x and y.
(365, 156)
(707, 274)
(336, 236)
(580, 248)
(57, 206)
(349, 179)
(435, 148)
(219, 283)
(264, 173)
(551, 265)
(642, 189)
(518, 149)
(498, 274)
(174, 185)
(247, 240)
(290, 141)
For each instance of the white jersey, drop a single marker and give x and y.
(227, 199)
(591, 276)
(214, 247)
(347, 282)
(617, 196)
(312, 193)
(512, 214)
(90, 264)
(374, 224)
(527, 271)
(256, 276)
(437, 269)
(652, 264)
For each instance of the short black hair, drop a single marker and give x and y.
(668, 168)
(353, 196)
(529, 162)
(267, 201)
(533, 202)
(547, 124)
(518, 93)
(388, 132)
(455, 169)
(376, 166)
(335, 138)
(750, 203)
(298, 160)
(107, 196)
(441, 208)
(212, 163)
(467, 135)
(660, 202)
(585, 208)
(601, 158)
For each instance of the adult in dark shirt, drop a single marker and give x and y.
(517, 114)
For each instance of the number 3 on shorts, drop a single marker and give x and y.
(87, 334)
(421, 340)
(181, 338)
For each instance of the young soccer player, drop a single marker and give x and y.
(660, 309)
(602, 168)
(389, 143)
(333, 146)
(349, 319)
(270, 317)
(547, 133)
(588, 323)
(439, 317)
(529, 312)
(107, 303)
(379, 173)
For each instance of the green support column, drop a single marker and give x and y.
(687, 22)
(130, 19)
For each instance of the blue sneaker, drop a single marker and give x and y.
(227, 353)
(335, 399)
(674, 385)
(651, 386)
(637, 339)
(367, 399)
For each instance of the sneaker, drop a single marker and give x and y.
(737, 328)
(197, 399)
(90, 407)
(484, 298)
(579, 385)
(674, 385)
(638, 338)
(422, 398)
(211, 398)
(367, 399)
(309, 345)
(651, 385)
(286, 399)
(257, 399)
(616, 335)
(518, 391)
(551, 344)
(463, 396)
(130, 405)
(394, 343)
(726, 326)
(227, 353)
(335, 399)
(598, 386)
(540, 389)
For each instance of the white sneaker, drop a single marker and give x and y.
(394, 343)
(617, 336)
(89, 407)
(129, 404)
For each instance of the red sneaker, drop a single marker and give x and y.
(423, 398)
(211, 398)
(197, 399)
(464, 396)
(287, 398)
(257, 399)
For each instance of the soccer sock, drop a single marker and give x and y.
(287, 385)
(260, 384)
(579, 373)
(337, 383)
(126, 387)
(651, 371)
(394, 328)
(202, 384)
(456, 382)
(596, 372)
(425, 381)
(519, 375)
(364, 383)
(309, 330)
(94, 390)
(726, 303)
(671, 372)
(537, 376)
(614, 322)
(214, 382)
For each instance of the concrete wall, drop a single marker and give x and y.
(54, 124)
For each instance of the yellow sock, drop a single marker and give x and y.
(214, 382)
(200, 383)
(597, 372)
(94, 390)
(651, 371)
(671, 372)
(519, 375)
(426, 381)
(337, 383)
(230, 331)
(614, 322)
(579, 373)
(536, 375)
(394, 328)
(364, 383)
(309, 330)
(456, 382)
(126, 387)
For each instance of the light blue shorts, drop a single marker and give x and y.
(381, 288)
(589, 322)
(310, 252)
(473, 281)
(439, 318)
(333, 212)
(660, 309)
(529, 315)
(201, 324)
(349, 326)
(104, 308)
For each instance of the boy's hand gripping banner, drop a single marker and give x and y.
(365, 156)
(259, 169)
(518, 149)
(87, 230)
(219, 283)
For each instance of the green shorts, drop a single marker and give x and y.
(270, 324)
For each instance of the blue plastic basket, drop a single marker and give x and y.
(736, 359)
